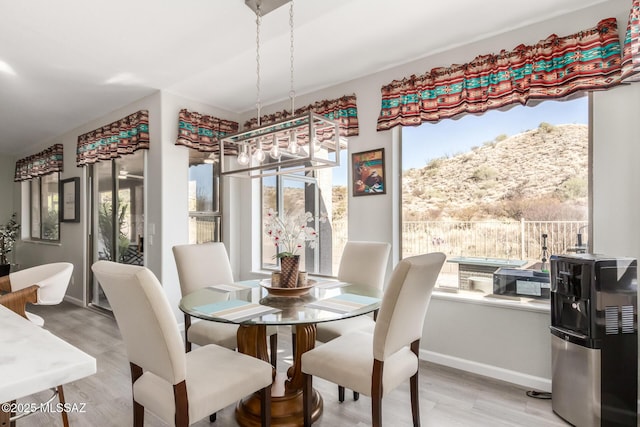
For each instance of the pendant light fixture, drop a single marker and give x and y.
(299, 143)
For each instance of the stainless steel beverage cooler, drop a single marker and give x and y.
(594, 339)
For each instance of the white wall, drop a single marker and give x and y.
(616, 175)
(7, 172)
(169, 166)
(616, 195)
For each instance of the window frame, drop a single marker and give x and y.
(310, 177)
(31, 183)
(401, 147)
(215, 215)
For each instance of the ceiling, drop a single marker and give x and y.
(64, 63)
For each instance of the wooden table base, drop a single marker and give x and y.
(286, 409)
(286, 392)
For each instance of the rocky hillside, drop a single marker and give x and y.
(540, 174)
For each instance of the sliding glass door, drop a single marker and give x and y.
(117, 215)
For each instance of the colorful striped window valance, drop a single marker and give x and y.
(43, 163)
(343, 110)
(551, 69)
(202, 132)
(631, 48)
(117, 139)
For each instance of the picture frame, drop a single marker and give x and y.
(70, 200)
(368, 173)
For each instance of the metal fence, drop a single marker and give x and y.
(204, 228)
(491, 239)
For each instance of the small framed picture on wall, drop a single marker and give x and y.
(368, 172)
(70, 196)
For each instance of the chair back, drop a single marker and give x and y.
(52, 280)
(201, 265)
(364, 263)
(404, 304)
(146, 321)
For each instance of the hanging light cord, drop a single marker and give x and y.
(258, 21)
(292, 92)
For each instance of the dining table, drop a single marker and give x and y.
(32, 360)
(255, 304)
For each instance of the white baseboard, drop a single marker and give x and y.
(514, 377)
(74, 301)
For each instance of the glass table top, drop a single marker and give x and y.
(253, 302)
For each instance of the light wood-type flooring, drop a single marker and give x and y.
(447, 397)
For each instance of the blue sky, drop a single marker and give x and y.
(420, 144)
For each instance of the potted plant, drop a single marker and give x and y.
(8, 236)
(289, 233)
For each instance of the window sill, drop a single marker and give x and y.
(41, 242)
(491, 300)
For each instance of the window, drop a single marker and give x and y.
(44, 205)
(204, 198)
(323, 191)
(492, 185)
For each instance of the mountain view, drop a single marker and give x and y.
(540, 174)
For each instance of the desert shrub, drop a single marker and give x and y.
(501, 137)
(546, 127)
(417, 191)
(434, 164)
(484, 173)
(545, 208)
(573, 188)
(467, 213)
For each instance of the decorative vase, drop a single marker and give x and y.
(289, 271)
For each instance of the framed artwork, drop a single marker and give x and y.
(368, 172)
(70, 197)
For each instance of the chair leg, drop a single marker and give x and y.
(65, 416)
(340, 394)
(413, 385)
(5, 416)
(138, 414)
(415, 403)
(187, 324)
(138, 409)
(307, 396)
(273, 348)
(265, 406)
(356, 395)
(376, 394)
(181, 404)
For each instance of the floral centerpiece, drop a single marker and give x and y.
(8, 237)
(289, 233)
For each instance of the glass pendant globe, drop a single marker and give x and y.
(259, 155)
(243, 158)
(275, 152)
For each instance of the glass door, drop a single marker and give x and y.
(117, 212)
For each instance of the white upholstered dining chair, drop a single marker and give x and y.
(199, 266)
(52, 280)
(376, 363)
(44, 284)
(362, 263)
(180, 388)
